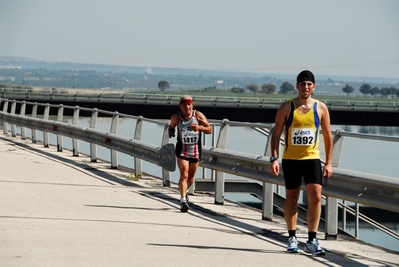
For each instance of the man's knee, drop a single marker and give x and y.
(292, 201)
(183, 179)
(314, 200)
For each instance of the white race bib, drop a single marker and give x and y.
(302, 136)
(189, 137)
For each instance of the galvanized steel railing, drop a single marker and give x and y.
(361, 188)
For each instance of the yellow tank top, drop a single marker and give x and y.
(302, 133)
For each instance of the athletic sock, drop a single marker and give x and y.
(311, 236)
(291, 233)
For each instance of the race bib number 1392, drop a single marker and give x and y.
(302, 136)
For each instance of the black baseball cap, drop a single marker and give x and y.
(305, 75)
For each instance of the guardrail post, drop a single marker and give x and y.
(267, 190)
(331, 212)
(165, 140)
(331, 218)
(219, 182)
(93, 124)
(75, 142)
(5, 109)
(213, 172)
(343, 213)
(338, 143)
(357, 215)
(60, 114)
(268, 151)
(137, 136)
(268, 148)
(13, 126)
(205, 142)
(267, 203)
(22, 113)
(46, 115)
(34, 114)
(191, 190)
(114, 128)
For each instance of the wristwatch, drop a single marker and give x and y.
(273, 158)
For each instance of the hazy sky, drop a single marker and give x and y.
(335, 37)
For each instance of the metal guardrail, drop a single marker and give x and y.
(163, 156)
(362, 188)
(220, 101)
(371, 190)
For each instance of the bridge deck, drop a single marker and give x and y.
(60, 210)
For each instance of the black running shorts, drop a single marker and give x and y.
(179, 147)
(190, 160)
(294, 170)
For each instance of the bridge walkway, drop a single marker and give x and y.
(60, 210)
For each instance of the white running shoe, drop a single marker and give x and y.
(314, 247)
(292, 245)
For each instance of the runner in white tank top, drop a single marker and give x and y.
(190, 124)
(188, 144)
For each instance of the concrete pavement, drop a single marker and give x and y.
(60, 210)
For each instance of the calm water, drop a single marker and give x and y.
(368, 156)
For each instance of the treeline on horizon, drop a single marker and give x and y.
(86, 79)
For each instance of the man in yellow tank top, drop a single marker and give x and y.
(301, 118)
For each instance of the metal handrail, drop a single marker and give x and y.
(368, 220)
